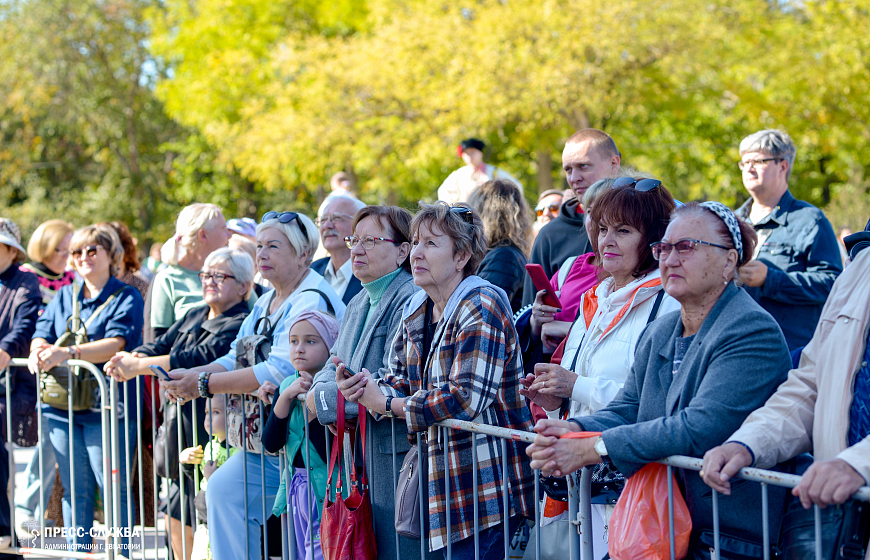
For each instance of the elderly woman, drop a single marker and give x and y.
(380, 247)
(285, 243)
(507, 225)
(455, 357)
(197, 339)
(199, 230)
(20, 301)
(112, 312)
(697, 374)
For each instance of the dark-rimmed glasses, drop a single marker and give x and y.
(284, 218)
(684, 247)
(218, 277)
(465, 213)
(641, 185)
(368, 242)
(539, 210)
(89, 251)
(743, 165)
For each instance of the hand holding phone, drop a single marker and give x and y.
(541, 282)
(161, 373)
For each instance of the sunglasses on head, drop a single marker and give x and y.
(284, 218)
(642, 185)
(465, 213)
(90, 251)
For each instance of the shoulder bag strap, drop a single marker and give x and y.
(564, 270)
(337, 448)
(655, 310)
(329, 308)
(100, 309)
(270, 328)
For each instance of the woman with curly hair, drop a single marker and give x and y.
(507, 224)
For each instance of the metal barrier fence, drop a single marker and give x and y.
(580, 504)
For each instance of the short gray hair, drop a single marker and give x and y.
(293, 231)
(357, 203)
(240, 263)
(774, 143)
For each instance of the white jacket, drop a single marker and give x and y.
(606, 355)
(458, 185)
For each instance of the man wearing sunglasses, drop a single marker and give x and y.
(336, 223)
(589, 155)
(797, 257)
(547, 209)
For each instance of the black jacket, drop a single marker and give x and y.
(196, 340)
(505, 266)
(353, 285)
(562, 238)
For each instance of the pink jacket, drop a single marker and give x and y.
(810, 411)
(582, 276)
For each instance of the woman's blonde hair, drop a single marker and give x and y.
(505, 214)
(191, 220)
(46, 239)
(104, 235)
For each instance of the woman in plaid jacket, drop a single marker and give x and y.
(456, 357)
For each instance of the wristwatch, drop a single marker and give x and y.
(600, 448)
(389, 412)
(202, 385)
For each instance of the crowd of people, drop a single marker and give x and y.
(672, 328)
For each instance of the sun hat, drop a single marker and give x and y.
(11, 235)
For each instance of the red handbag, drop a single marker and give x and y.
(346, 527)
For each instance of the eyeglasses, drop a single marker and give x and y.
(368, 242)
(642, 185)
(539, 210)
(335, 218)
(684, 247)
(218, 277)
(465, 213)
(89, 251)
(284, 218)
(757, 162)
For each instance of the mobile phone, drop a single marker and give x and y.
(348, 372)
(161, 373)
(541, 282)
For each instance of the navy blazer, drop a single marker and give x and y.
(353, 286)
(736, 361)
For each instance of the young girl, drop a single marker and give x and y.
(312, 334)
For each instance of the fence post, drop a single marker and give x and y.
(584, 507)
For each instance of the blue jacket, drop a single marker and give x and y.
(802, 255)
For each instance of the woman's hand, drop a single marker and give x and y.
(123, 366)
(553, 333)
(266, 392)
(555, 456)
(545, 401)
(191, 455)
(541, 313)
(184, 387)
(50, 356)
(551, 379)
(361, 388)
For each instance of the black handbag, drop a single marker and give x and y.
(166, 445)
(731, 547)
(845, 529)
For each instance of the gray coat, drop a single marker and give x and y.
(371, 352)
(736, 361)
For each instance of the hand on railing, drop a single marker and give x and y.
(558, 456)
(828, 483)
(191, 455)
(723, 462)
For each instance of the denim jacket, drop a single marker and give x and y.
(802, 255)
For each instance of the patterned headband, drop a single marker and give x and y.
(730, 220)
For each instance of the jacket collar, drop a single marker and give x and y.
(667, 350)
(235, 313)
(380, 315)
(779, 214)
(112, 286)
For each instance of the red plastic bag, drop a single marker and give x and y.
(639, 525)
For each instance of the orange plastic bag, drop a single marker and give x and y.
(639, 525)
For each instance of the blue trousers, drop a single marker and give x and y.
(87, 437)
(27, 498)
(225, 498)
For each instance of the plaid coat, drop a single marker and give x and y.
(472, 373)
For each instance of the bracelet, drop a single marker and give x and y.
(202, 385)
(389, 412)
(74, 352)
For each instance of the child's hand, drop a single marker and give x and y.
(266, 392)
(191, 455)
(208, 469)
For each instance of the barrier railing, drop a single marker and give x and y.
(579, 546)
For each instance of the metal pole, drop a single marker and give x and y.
(181, 481)
(584, 505)
(447, 492)
(395, 478)
(39, 421)
(309, 487)
(474, 483)
(715, 525)
(537, 475)
(116, 460)
(245, 467)
(505, 506)
(72, 470)
(424, 498)
(139, 403)
(765, 514)
(671, 537)
(10, 451)
(817, 523)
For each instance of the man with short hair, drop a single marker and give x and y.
(458, 185)
(335, 224)
(589, 156)
(797, 257)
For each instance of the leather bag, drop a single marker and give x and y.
(407, 518)
(346, 527)
(845, 531)
(166, 446)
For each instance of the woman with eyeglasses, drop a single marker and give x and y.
(379, 249)
(696, 376)
(505, 215)
(285, 243)
(199, 338)
(455, 357)
(598, 352)
(112, 313)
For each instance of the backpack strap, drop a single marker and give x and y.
(329, 308)
(564, 270)
(655, 310)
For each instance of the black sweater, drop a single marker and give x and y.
(505, 266)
